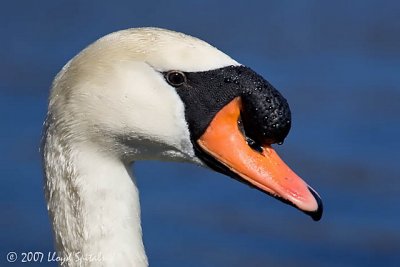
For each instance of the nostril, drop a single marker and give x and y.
(253, 144)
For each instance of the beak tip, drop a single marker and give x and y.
(316, 215)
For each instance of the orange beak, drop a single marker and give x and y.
(264, 170)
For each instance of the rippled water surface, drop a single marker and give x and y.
(338, 64)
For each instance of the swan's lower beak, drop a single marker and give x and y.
(225, 143)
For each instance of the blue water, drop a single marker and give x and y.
(337, 63)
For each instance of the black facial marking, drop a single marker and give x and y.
(265, 114)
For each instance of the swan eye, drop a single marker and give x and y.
(175, 78)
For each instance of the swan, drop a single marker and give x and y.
(150, 93)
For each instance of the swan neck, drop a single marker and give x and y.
(93, 204)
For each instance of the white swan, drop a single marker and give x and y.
(150, 93)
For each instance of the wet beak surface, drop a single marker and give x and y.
(265, 170)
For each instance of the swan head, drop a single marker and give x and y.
(150, 93)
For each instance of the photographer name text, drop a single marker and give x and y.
(51, 256)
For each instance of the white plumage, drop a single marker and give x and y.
(110, 106)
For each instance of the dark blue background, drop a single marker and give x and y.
(338, 64)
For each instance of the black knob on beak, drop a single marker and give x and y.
(265, 113)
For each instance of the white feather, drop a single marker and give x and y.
(108, 107)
